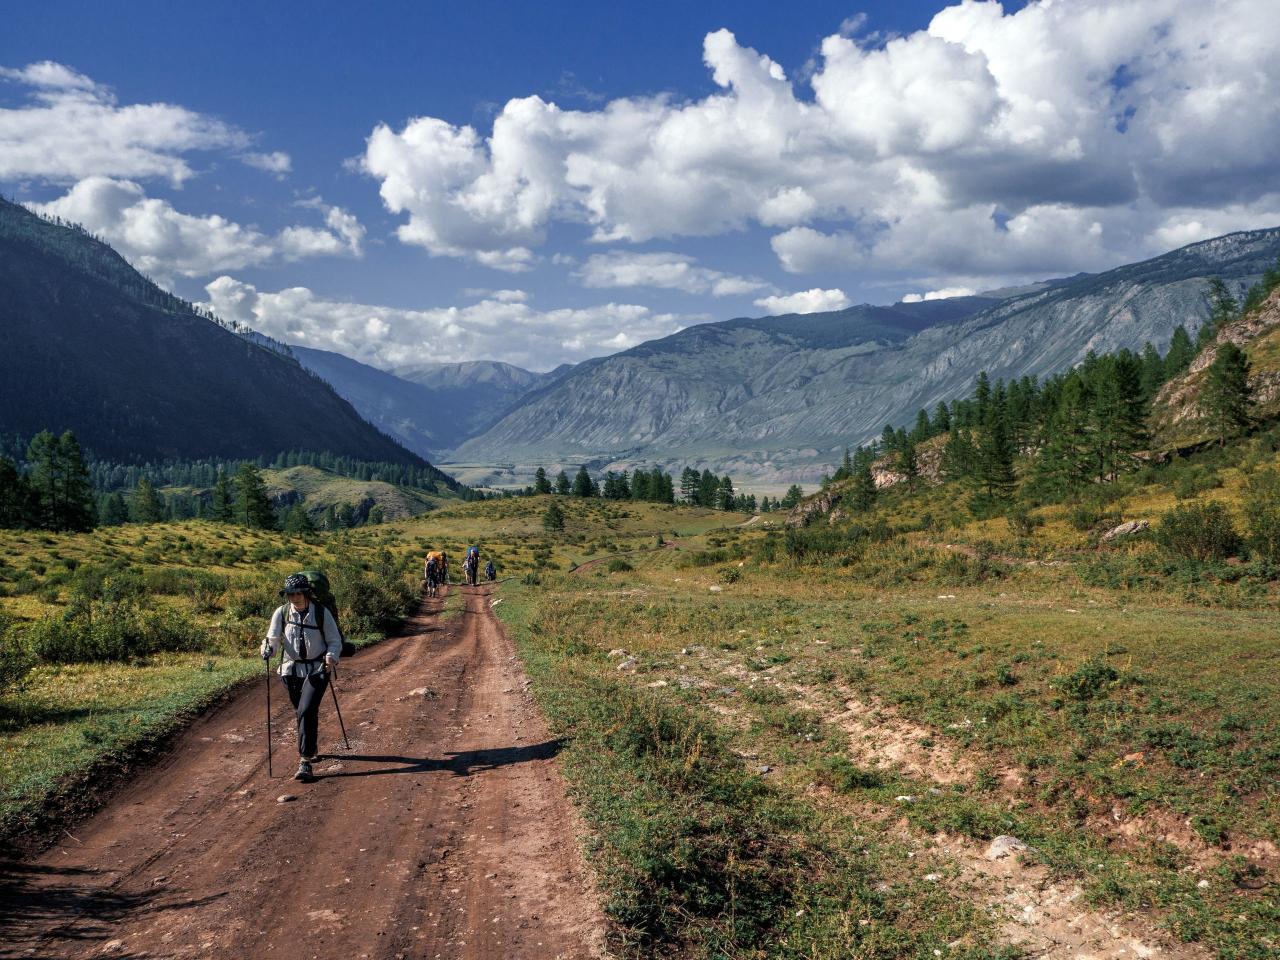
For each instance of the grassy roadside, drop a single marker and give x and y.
(701, 854)
(137, 632)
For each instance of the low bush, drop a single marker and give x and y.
(91, 631)
(619, 565)
(1262, 514)
(1198, 531)
(16, 660)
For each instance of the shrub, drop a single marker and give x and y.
(619, 565)
(730, 575)
(15, 659)
(1022, 522)
(1262, 514)
(1198, 531)
(93, 631)
(1089, 680)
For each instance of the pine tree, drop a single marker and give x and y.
(60, 483)
(923, 429)
(793, 496)
(982, 397)
(297, 522)
(846, 467)
(146, 505)
(553, 519)
(562, 484)
(114, 510)
(252, 505)
(223, 507)
(1222, 310)
(1227, 399)
(862, 496)
(960, 455)
(908, 464)
(1180, 354)
(724, 495)
(708, 489)
(689, 482)
(582, 483)
(640, 486)
(540, 482)
(1064, 463)
(995, 474)
(941, 419)
(17, 502)
(1152, 374)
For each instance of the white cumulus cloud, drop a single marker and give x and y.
(805, 301)
(502, 326)
(671, 271)
(72, 128)
(164, 242)
(963, 149)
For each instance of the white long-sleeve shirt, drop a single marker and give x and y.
(304, 646)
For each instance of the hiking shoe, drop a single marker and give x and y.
(304, 773)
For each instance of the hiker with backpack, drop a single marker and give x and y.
(431, 574)
(490, 572)
(306, 630)
(471, 565)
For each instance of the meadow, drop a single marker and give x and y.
(793, 743)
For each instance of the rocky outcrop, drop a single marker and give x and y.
(1176, 411)
(1126, 530)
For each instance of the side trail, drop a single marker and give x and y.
(445, 831)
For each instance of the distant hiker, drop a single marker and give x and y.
(312, 644)
(431, 574)
(490, 572)
(470, 567)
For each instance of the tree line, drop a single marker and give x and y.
(53, 486)
(1076, 429)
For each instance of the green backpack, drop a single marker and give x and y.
(326, 602)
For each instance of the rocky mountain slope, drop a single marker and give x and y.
(780, 398)
(428, 407)
(1177, 418)
(93, 346)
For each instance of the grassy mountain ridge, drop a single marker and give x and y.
(138, 374)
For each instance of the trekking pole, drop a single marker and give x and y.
(267, 663)
(338, 710)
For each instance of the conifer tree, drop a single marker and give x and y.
(298, 523)
(907, 464)
(17, 503)
(793, 496)
(553, 518)
(1227, 399)
(223, 507)
(582, 483)
(540, 482)
(114, 510)
(1222, 310)
(941, 419)
(724, 495)
(995, 476)
(708, 489)
(562, 484)
(689, 485)
(1180, 354)
(960, 455)
(252, 505)
(922, 430)
(60, 483)
(1152, 373)
(862, 495)
(146, 505)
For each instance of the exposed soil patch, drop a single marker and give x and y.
(443, 832)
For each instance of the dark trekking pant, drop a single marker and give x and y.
(306, 694)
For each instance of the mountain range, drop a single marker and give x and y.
(93, 346)
(779, 399)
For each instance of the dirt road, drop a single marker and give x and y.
(444, 831)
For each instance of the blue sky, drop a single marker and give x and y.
(653, 165)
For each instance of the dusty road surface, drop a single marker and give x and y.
(443, 832)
